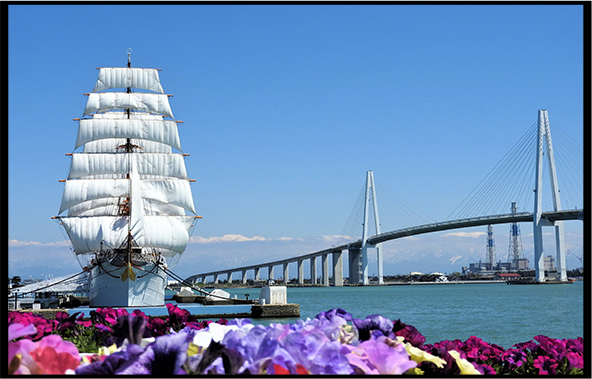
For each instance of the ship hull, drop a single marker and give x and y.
(127, 286)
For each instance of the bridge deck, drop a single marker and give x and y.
(576, 214)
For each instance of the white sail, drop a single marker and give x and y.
(163, 131)
(79, 191)
(170, 234)
(110, 207)
(128, 77)
(145, 102)
(99, 207)
(175, 192)
(121, 115)
(149, 164)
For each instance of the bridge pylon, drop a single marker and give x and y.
(361, 270)
(544, 135)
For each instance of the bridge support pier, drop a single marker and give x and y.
(337, 268)
(269, 272)
(244, 277)
(313, 270)
(325, 269)
(355, 266)
(256, 272)
(286, 273)
(544, 135)
(216, 279)
(370, 191)
(300, 272)
(229, 276)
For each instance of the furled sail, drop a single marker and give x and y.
(126, 77)
(145, 102)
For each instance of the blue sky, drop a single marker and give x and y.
(285, 107)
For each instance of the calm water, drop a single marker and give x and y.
(497, 313)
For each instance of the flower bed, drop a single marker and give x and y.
(114, 342)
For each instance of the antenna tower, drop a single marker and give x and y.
(515, 248)
(490, 251)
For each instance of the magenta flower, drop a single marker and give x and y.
(411, 334)
(546, 365)
(43, 327)
(575, 345)
(477, 350)
(513, 358)
(575, 360)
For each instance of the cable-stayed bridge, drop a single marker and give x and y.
(489, 189)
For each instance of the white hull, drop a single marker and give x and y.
(145, 287)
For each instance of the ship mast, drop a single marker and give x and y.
(128, 150)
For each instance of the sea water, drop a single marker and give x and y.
(495, 312)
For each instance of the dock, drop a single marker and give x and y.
(198, 310)
(535, 282)
(272, 304)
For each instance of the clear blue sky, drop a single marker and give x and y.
(285, 107)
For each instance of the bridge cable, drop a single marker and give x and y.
(490, 190)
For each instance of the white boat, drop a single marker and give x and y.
(127, 205)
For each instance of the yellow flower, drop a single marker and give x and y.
(414, 371)
(466, 367)
(419, 355)
(194, 349)
(103, 350)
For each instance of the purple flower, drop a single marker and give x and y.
(379, 356)
(330, 361)
(315, 352)
(121, 361)
(162, 358)
(129, 327)
(373, 322)
(335, 312)
(19, 330)
(169, 352)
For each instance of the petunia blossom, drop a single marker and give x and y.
(466, 367)
(379, 356)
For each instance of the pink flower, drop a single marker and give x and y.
(50, 362)
(51, 355)
(43, 326)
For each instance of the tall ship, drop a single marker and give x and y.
(127, 206)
